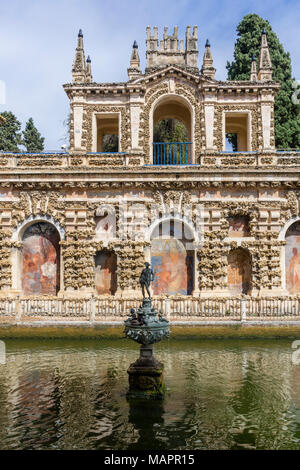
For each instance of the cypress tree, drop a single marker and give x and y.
(286, 113)
(32, 139)
(10, 135)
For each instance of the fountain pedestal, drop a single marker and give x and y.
(146, 326)
(146, 376)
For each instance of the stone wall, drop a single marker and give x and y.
(202, 206)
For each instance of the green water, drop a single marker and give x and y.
(221, 394)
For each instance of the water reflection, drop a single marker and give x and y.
(221, 395)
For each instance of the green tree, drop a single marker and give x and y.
(10, 135)
(110, 143)
(170, 130)
(32, 139)
(287, 114)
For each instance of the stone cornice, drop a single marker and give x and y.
(204, 83)
(149, 178)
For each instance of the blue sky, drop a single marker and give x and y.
(38, 40)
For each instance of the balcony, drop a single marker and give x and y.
(172, 153)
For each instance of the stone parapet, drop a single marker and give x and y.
(216, 159)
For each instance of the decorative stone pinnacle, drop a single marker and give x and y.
(265, 64)
(134, 70)
(253, 72)
(208, 69)
(79, 64)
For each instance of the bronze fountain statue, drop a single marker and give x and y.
(146, 277)
(146, 326)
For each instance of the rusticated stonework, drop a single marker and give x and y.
(256, 125)
(237, 207)
(87, 137)
(144, 131)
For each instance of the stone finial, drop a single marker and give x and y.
(208, 69)
(253, 73)
(265, 64)
(134, 69)
(79, 66)
(89, 77)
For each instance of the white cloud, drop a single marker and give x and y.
(38, 40)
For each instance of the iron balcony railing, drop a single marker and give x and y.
(172, 153)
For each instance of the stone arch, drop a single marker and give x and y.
(20, 229)
(239, 272)
(172, 257)
(291, 271)
(283, 252)
(44, 241)
(188, 227)
(170, 105)
(106, 272)
(40, 259)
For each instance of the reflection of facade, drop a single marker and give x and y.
(60, 396)
(105, 209)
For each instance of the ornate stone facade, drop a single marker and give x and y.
(122, 202)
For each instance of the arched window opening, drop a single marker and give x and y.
(41, 260)
(172, 258)
(292, 258)
(172, 132)
(106, 272)
(239, 271)
(239, 226)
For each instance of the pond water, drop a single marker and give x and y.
(221, 394)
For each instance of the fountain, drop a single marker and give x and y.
(146, 326)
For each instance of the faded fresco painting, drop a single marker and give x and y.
(238, 226)
(40, 260)
(106, 272)
(173, 267)
(292, 259)
(106, 226)
(239, 271)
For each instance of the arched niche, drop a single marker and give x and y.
(40, 259)
(106, 272)
(239, 271)
(172, 258)
(177, 108)
(292, 258)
